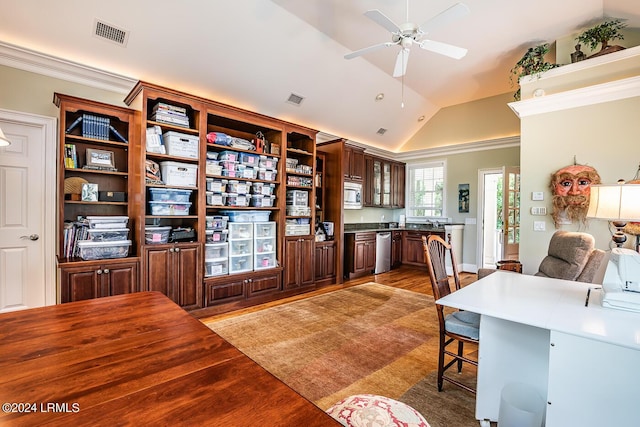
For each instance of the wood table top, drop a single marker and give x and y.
(135, 359)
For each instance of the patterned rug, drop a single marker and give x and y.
(369, 338)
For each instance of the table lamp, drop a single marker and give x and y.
(619, 203)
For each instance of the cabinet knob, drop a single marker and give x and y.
(106, 271)
(99, 272)
(177, 249)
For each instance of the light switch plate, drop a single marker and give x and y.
(539, 226)
(537, 195)
(538, 210)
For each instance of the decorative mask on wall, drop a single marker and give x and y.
(571, 189)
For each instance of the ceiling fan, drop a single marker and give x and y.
(407, 34)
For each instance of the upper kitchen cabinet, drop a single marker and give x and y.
(384, 183)
(353, 163)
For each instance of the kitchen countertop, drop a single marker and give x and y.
(385, 226)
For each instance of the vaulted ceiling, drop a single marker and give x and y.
(255, 53)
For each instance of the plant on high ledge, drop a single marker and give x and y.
(603, 34)
(531, 63)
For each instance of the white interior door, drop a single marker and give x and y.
(27, 213)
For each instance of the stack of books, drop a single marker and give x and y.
(70, 156)
(73, 232)
(171, 114)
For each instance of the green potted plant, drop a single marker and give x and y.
(531, 63)
(603, 34)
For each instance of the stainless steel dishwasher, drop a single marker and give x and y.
(383, 252)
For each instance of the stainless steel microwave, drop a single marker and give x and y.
(352, 195)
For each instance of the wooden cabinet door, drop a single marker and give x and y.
(398, 189)
(79, 283)
(158, 265)
(330, 260)
(299, 267)
(347, 153)
(413, 253)
(187, 267)
(291, 263)
(306, 261)
(370, 255)
(357, 164)
(396, 249)
(263, 284)
(367, 185)
(120, 279)
(360, 257)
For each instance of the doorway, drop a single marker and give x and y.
(498, 215)
(27, 211)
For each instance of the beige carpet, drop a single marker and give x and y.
(369, 338)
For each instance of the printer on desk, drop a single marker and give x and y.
(621, 283)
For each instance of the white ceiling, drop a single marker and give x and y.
(254, 53)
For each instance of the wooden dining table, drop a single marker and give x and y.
(135, 359)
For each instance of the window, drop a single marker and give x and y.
(426, 190)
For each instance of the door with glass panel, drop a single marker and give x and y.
(511, 213)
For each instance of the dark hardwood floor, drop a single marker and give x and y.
(405, 277)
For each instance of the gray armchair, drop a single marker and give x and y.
(571, 256)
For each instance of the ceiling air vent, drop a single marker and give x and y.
(381, 131)
(295, 99)
(110, 33)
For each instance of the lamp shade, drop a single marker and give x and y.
(4, 142)
(616, 202)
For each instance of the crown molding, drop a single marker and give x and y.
(469, 147)
(596, 94)
(36, 62)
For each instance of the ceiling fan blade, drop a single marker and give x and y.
(443, 49)
(368, 49)
(401, 63)
(456, 11)
(381, 19)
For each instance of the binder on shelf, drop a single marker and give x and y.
(70, 156)
(118, 135)
(74, 124)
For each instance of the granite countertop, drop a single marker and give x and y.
(391, 226)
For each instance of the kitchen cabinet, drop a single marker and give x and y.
(298, 268)
(175, 270)
(95, 279)
(412, 250)
(360, 254)
(353, 163)
(384, 183)
(398, 185)
(396, 248)
(240, 289)
(325, 262)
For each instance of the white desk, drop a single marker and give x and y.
(584, 361)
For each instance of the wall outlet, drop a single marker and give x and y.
(539, 226)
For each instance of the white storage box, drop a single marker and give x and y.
(213, 168)
(264, 245)
(297, 198)
(110, 222)
(241, 247)
(108, 234)
(266, 174)
(262, 188)
(216, 236)
(216, 267)
(216, 199)
(237, 200)
(260, 201)
(181, 144)
(169, 208)
(238, 187)
(214, 251)
(246, 216)
(90, 249)
(154, 235)
(298, 211)
(263, 261)
(181, 174)
(240, 230)
(268, 162)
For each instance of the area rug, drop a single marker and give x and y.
(370, 338)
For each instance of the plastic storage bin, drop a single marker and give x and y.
(240, 230)
(520, 406)
(181, 174)
(264, 245)
(266, 174)
(297, 229)
(247, 172)
(216, 236)
(298, 211)
(264, 229)
(238, 187)
(169, 208)
(108, 221)
(108, 234)
(262, 261)
(262, 188)
(237, 200)
(213, 251)
(156, 234)
(246, 216)
(217, 185)
(216, 199)
(268, 162)
(228, 155)
(169, 195)
(241, 263)
(213, 167)
(241, 247)
(249, 159)
(216, 267)
(260, 201)
(90, 249)
(181, 144)
(216, 222)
